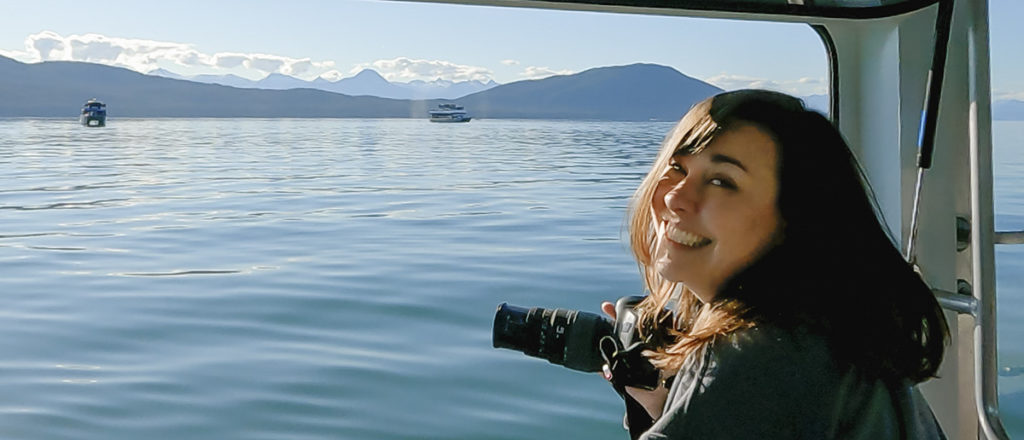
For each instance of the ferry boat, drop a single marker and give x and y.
(449, 113)
(896, 68)
(94, 114)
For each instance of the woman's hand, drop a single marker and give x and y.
(652, 401)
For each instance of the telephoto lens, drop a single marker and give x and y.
(563, 337)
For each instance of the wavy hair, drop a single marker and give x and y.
(836, 269)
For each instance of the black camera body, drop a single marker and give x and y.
(579, 340)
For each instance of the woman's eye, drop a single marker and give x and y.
(678, 167)
(724, 183)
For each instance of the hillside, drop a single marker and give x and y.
(637, 92)
(58, 89)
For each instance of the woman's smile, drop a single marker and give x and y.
(682, 237)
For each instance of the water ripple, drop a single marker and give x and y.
(178, 273)
(68, 205)
(322, 279)
(55, 248)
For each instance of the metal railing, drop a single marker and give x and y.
(980, 305)
(1009, 237)
(957, 302)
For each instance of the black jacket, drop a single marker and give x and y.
(769, 383)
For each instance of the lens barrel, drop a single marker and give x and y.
(563, 337)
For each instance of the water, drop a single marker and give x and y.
(328, 279)
(1008, 188)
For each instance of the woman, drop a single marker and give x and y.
(791, 312)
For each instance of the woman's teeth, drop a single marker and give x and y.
(685, 238)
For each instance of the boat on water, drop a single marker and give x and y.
(449, 113)
(94, 114)
(889, 63)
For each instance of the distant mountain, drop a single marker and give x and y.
(638, 92)
(1008, 110)
(366, 83)
(224, 80)
(277, 81)
(58, 88)
(165, 73)
(444, 89)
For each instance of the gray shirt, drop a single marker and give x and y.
(768, 383)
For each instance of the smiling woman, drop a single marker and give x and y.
(753, 310)
(716, 211)
(325, 278)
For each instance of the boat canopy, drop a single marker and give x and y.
(856, 9)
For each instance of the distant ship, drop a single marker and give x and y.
(94, 114)
(449, 113)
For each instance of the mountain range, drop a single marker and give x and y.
(366, 83)
(637, 92)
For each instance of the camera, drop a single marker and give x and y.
(579, 340)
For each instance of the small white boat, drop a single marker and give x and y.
(94, 114)
(449, 113)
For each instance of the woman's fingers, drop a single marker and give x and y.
(608, 309)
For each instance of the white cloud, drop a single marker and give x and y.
(147, 55)
(535, 72)
(264, 63)
(332, 75)
(96, 51)
(229, 60)
(48, 45)
(510, 62)
(407, 69)
(16, 54)
(135, 54)
(300, 67)
(799, 87)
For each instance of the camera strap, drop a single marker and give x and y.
(637, 420)
(628, 367)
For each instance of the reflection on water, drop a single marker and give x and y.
(304, 278)
(1008, 146)
(265, 279)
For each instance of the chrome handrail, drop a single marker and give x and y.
(983, 262)
(957, 302)
(1009, 237)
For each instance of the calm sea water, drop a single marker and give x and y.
(329, 279)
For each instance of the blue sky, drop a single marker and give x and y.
(406, 41)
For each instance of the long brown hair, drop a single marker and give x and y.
(835, 271)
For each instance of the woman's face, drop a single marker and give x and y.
(716, 212)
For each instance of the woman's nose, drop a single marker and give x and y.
(683, 196)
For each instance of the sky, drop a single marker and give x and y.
(406, 41)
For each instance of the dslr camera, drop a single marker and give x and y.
(580, 340)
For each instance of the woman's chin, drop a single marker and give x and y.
(669, 271)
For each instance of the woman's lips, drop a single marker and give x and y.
(685, 238)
